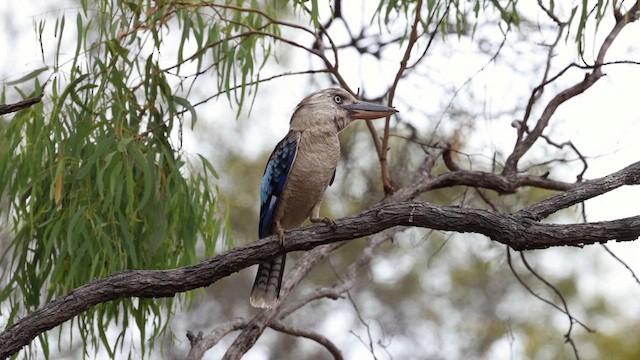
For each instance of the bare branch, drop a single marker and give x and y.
(205, 343)
(303, 266)
(571, 318)
(564, 310)
(630, 175)
(369, 342)
(570, 144)
(347, 281)
(539, 90)
(326, 343)
(613, 255)
(524, 144)
(479, 179)
(10, 108)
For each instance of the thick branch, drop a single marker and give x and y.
(258, 323)
(520, 231)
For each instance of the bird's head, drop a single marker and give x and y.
(333, 109)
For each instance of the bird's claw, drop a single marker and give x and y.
(280, 232)
(327, 220)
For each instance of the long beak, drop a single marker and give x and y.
(368, 111)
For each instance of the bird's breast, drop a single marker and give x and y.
(312, 171)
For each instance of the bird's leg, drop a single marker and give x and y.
(280, 231)
(315, 217)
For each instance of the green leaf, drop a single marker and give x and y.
(32, 75)
(123, 144)
(148, 177)
(187, 105)
(208, 167)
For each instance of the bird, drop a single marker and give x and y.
(298, 172)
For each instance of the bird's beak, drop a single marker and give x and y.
(368, 111)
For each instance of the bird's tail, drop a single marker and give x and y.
(266, 287)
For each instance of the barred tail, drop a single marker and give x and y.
(266, 287)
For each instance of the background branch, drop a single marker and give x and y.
(524, 144)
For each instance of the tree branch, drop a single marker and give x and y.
(323, 341)
(519, 231)
(202, 345)
(258, 324)
(630, 175)
(10, 108)
(292, 278)
(524, 144)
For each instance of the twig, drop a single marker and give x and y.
(564, 310)
(347, 281)
(368, 344)
(565, 307)
(633, 274)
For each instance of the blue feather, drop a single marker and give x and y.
(274, 180)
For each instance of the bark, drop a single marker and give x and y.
(10, 108)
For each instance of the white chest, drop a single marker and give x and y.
(313, 169)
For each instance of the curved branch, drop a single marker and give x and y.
(322, 340)
(519, 231)
(347, 281)
(502, 184)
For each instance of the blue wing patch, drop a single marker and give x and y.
(273, 181)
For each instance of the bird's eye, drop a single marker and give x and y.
(337, 99)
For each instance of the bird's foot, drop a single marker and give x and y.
(327, 220)
(280, 232)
